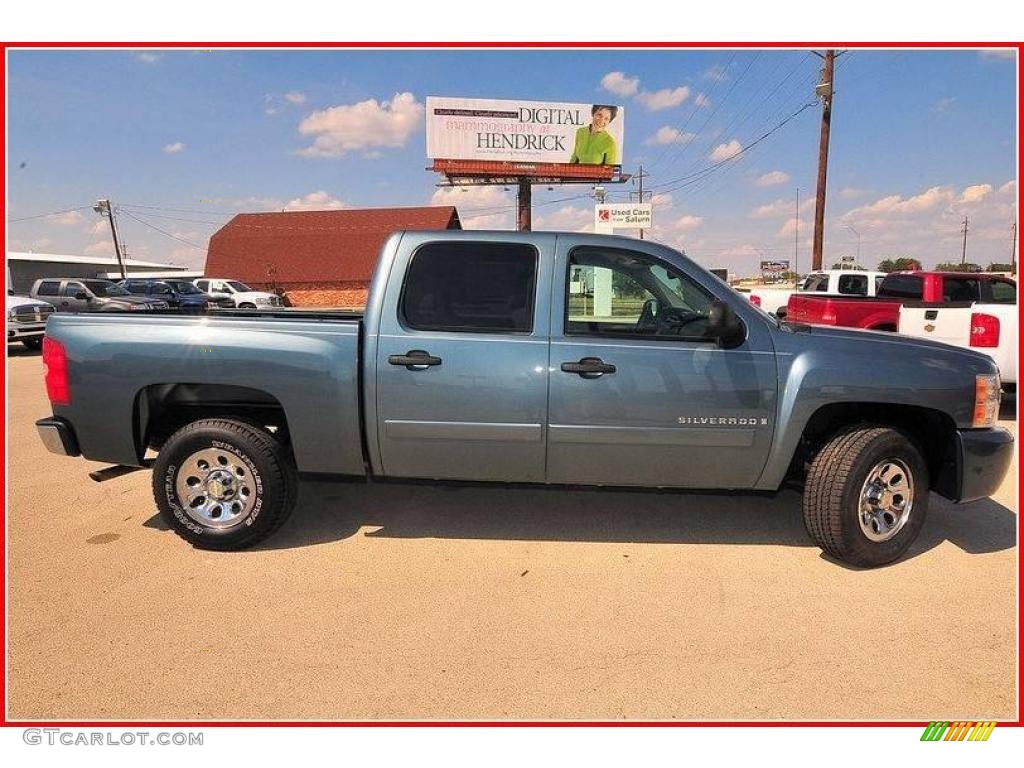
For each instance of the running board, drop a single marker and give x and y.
(118, 470)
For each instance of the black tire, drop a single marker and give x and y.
(832, 495)
(246, 305)
(32, 344)
(265, 469)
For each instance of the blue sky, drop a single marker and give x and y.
(181, 139)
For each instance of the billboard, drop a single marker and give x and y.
(774, 267)
(623, 216)
(524, 131)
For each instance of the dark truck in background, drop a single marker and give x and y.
(882, 313)
(528, 358)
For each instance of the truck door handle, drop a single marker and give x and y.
(589, 367)
(931, 314)
(415, 360)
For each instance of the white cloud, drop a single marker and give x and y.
(976, 193)
(944, 104)
(716, 73)
(669, 135)
(100, 248)
(687, 223)
(666, 98)
(619, 84)
(486, 207)
(789, 228)
(148, 57)
(1003, 54)
(173, 149)
(1009, 188)
(725, 151)
(848, 193)
(314, 201)
(781, 208)
(662, 199)
(66, 219)
(295, 97)
(772, 179)
(702, 100)
(896, 204)
(100, 227)
(566, 219)
(365, 124)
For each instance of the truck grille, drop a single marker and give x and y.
(30, 314)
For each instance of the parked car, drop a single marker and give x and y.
(240, 294)
(26, 319)
(989, 325)
(475, 362)
(882, 313)
(73, 294)
(179, 294)
(829, 282)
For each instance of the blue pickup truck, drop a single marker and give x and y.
(528, 358)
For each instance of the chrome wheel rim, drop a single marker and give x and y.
(886, 500)
(215, 488)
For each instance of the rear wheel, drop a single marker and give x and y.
(224, 484)
(32, 343)
(866, 496)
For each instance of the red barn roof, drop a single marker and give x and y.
(310, 246)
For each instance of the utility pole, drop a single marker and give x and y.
(640, 181)
(796, 244)
(104, 208)
(824, 89)
(1013, 250)
(525, 204)
(963, 255)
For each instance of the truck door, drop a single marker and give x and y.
(69, 297)
(638, 394)
(462, 360)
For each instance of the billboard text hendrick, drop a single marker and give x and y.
(524, 131)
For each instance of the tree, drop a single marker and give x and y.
(956, 266)
(1001, 267)
(898, 265)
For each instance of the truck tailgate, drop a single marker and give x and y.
(949, 323)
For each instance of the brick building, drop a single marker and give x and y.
(317, 258)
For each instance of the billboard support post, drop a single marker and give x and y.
(524, 205)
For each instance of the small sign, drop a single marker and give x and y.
(623, 215)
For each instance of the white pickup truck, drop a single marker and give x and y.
(828, 282)
(986, 322)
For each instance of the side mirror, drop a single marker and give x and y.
(724, 326)
(82, 296)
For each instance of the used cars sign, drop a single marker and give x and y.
(623, 216)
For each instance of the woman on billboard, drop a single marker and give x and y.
(594, 145)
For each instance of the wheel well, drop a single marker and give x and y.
(933, 431)
(162, 409)
(888, 327)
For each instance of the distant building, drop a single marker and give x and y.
(317, 258)
(23, 269)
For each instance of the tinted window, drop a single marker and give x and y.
(902, 286)
(240, 287)
(183, 286)
(105, 288)
(959, 289)
(203, 284)
(49, 288)
(615, 292)
(1003, 292)
(855, 285)
(482, 287)
(878, 281)
(71, 288)
(816, 283)
(135, 286)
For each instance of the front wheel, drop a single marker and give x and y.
(224, 484)
(866, 496)
(33, 343)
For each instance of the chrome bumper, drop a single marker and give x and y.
(58, 436)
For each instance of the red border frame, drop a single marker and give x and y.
(4, 722)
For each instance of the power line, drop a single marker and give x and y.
(130, 215)
(45, 215)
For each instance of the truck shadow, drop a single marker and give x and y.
(331, 511)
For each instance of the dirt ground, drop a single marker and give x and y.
(410, 601)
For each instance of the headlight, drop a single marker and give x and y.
(986, 400)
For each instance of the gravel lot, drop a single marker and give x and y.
(408, 601)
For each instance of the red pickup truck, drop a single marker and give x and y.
(882, 312)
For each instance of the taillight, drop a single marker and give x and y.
(984, 330)
(755, 300)
(55, 361)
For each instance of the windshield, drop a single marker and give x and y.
(240, 287)
(103, 288)
(183, 286)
